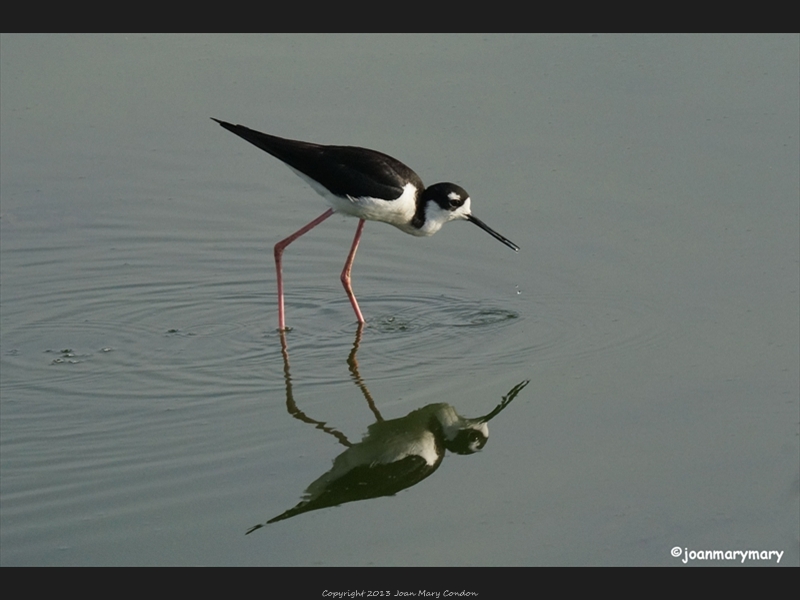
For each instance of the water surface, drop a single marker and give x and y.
(650, 181)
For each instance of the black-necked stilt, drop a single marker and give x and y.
(366, 184)
(396, 454)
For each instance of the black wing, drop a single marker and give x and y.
(344, 170)
(364, 482)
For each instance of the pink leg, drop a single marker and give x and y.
(346, 272)
(279, 248)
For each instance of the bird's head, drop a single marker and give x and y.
(446, 202)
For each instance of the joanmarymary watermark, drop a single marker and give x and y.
(731, 555)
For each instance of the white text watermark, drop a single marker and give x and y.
(732, 555)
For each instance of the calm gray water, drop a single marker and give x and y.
(149, 416)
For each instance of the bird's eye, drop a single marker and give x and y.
(476, 441)
(454, 200)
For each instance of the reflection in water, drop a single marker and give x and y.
(394, 454)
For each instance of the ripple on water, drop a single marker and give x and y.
(190, 334)
(419, 314)
(405, 331)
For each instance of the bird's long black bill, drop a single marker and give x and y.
(492, 232)
(512, 393)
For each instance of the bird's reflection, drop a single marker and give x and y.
(393, 455)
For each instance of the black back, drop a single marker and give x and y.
(365, 482)
(343, 170)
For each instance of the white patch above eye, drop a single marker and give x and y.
(454, 196)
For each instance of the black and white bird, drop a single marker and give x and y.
(396, 454)
(368, 185)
